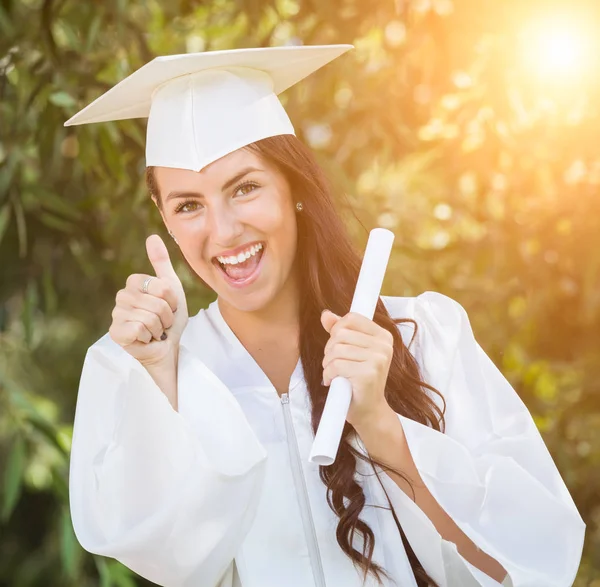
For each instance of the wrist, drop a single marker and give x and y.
(164, 374)
(167, 361)
(375, 420)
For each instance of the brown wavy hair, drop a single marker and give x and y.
(328, 264)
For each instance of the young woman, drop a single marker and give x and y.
(191, 440)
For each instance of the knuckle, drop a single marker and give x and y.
(120, 296)
(116, 335)
(131, 280)
(162, 289)
(390, 353)
(353, 318)
(165, 313)
(345, 333)
(389, 337)
(155, 323)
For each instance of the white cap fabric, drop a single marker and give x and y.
(202, 106)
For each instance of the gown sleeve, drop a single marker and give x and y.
(170, 497)
(490, 470)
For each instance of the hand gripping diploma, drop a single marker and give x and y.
(148, 324)
(368, 287)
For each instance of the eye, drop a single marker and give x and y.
(245, 188)
(180, 207)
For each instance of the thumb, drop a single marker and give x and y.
(159, 257)
(328, 319)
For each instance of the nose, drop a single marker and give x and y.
(224, 226)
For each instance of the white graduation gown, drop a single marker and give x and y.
(222, 494)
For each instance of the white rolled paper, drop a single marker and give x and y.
(368, 287)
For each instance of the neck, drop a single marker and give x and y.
(276, 321)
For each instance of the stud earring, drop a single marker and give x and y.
(173, 237)
(299, 206)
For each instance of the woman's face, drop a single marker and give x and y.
(238, 205)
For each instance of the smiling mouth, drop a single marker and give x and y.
(241, 271)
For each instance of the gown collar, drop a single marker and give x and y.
(239, 351)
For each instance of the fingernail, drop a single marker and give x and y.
(164, 336)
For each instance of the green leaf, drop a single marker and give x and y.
(55, 222)
(121, 576)
(110, 152)
(56, 203)
(69, 547)
(13, 477)
(49, 292)
(21, 227)
(9, 170)
(47, 429)
(29, 308)
(93, 32)
(62, 99)
(103, 571)
(4, 218)
(5, 25)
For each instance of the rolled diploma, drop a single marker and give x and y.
(368, 287)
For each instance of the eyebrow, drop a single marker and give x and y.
(225, 186)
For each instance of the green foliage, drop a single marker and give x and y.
(438, 126)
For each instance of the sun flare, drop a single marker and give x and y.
(557, 48)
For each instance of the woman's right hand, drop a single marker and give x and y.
(140, 319)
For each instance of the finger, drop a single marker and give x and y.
(159, 257)
(346, 352)
(139, 332)
(157, 287)
(342, 368)
(127, 333)
(382, 343)
(355, 321)
(329, 319)
(155, 305)
(347, 336)
(150, 320)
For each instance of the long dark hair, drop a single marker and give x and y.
(328, 265)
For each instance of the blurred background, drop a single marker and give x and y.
(469, 127)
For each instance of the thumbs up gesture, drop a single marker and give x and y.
(148, 324)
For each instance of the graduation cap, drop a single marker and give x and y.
(202, 106)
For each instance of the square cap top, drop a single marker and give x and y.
(201, 106)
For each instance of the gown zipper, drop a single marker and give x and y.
(302, 492)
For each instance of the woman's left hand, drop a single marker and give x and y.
(361, 351)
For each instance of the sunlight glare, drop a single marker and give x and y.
(557, 48)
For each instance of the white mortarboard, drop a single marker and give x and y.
(202, 106)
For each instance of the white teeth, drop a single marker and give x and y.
(234, 260)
